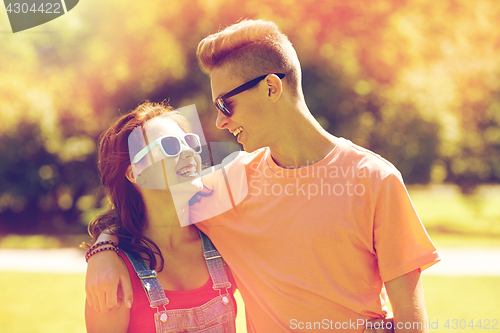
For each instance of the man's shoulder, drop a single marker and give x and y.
(236, 159)
(360, 157)
(244, 158)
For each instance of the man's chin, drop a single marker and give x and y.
(251, 148)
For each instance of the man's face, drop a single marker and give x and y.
(247, 121)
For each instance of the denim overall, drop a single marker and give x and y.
(216, 316)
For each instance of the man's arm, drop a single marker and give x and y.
(383, 325)
(407, 298)
(115, 321)
(106, 277)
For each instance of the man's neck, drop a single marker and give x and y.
(302, 141)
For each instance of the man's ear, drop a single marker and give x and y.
(130, 174)
(274, 87)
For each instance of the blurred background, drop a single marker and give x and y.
(417, 81)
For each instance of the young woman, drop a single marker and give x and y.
(179, 281)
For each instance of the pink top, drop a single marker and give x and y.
(142, 315)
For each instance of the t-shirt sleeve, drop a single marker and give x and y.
(401, 242)
(231, 279)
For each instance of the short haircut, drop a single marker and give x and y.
(251, 48)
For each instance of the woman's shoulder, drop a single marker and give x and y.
(134, 279)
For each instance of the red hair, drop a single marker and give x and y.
(126, 216)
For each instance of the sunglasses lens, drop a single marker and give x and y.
(193, 142)
(219, 104)
(171, 146)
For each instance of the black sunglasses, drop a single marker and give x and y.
(219, 101)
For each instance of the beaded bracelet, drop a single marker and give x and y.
(96, 245)
(91, 253)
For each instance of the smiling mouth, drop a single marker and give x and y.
(188, 171)
(237, 131)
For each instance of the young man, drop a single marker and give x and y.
(325, 225)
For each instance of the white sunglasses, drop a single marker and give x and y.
(171, 145)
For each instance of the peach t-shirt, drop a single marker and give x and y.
(310, 247)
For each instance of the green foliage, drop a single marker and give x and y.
(415, 81)
(42, 192)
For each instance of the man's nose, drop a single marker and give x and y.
(221, 121)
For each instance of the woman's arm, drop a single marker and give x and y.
(407, 298)
(106, 276)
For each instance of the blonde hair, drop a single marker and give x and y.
(251, 48)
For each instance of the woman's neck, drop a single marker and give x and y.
(166, 220)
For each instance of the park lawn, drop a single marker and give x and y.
(455, 301)
(41, 302)
(453, 220)
(47, 302)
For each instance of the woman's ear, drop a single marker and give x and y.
(138, 180)
(130, 174)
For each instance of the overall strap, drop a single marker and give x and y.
(215, 263)
(151, 285)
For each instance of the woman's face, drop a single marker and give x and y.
(158, 171)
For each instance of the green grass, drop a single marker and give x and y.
(462, 299)
(41, 302)
(47, 303)
(453, 220)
